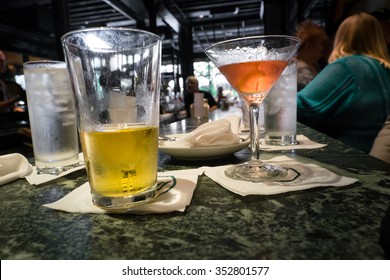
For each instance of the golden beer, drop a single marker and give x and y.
(121, 162)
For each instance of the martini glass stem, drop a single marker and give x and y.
(254, 132)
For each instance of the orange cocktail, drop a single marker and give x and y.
(253, 79)
(252, 65)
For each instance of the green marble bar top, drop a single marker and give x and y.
(319, 223)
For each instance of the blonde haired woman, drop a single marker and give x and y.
(350, 98)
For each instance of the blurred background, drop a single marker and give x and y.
(31, 30)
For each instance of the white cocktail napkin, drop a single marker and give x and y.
(215, 133)
(304, 143)
(176, 199)
(12, 167)
(311, 176)
(36, 179)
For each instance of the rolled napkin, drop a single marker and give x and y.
(176, 199)
(12, 167)
(215, 133)
(310, 176)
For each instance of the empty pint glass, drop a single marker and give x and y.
(52, 115)
(115, 76)
(280, 109)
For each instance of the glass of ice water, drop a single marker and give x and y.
(52, 116)
(280, 109)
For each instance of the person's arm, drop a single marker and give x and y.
(381, 147)
(187, 102)
(212, 108)
(326, 95)
(305, 76)
(213, 105)
(8, 103)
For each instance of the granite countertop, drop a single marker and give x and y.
(320, 223)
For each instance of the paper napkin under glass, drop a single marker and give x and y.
(36, 179)
(311, 176)
(215, 133)
(303, 143)
(176, 199)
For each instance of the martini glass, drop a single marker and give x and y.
(252, 65)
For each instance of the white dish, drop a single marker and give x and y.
(201, 153)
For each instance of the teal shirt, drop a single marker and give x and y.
(349, 100)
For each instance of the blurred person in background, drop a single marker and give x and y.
(7, 103)
(383, 16)
(192, 84)
(314, 40)
(350, 98)
(14, 89)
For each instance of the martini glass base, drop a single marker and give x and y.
(256, 171)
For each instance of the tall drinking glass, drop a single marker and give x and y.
(252, 65)
(280, 109)
(52, 116)
(115, 76)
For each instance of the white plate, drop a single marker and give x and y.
(201, 153)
